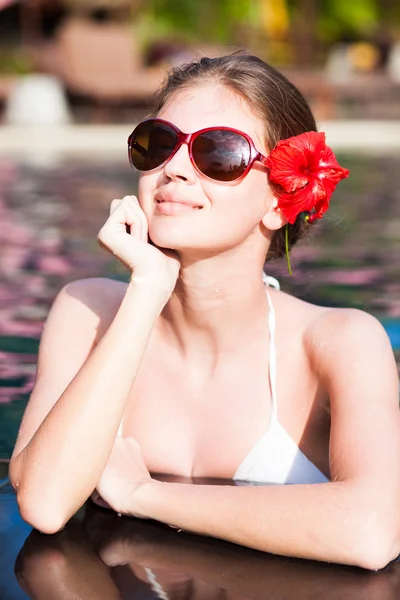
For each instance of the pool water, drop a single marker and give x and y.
(99, 555)
(50, 214)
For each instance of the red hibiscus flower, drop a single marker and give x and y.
(307, 170)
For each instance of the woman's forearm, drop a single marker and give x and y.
(325, 522)
(61, 465)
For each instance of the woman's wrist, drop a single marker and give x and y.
(144, 298)
(152, 286)
(144, 499)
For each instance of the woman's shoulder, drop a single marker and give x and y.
(94, 298)
(342, 326)
(321, 327)
(346, 350)
(100, 288)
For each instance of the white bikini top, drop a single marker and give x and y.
(275, 458)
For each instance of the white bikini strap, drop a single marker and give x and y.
(272, 358)
(271, 281)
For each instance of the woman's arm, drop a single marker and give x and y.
(72, 418)
(60, 454)
(355, 519)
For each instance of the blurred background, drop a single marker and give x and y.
(77, 75)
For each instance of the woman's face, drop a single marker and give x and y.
(222, 215)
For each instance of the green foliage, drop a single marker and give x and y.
(194, 20)
(241, 22)
(338, 18)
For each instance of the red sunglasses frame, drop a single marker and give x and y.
(188, 138)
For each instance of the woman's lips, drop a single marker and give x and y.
(167, 204)
(174, 208)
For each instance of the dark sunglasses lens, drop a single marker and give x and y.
(151, 144)
(220, 154)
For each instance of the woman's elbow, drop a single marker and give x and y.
(39, 515)
(377, 558)
(36, 506)
(378, 545)
(14, 472)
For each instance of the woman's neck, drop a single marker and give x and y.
(215, 310)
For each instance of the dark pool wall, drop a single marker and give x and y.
(50, 215)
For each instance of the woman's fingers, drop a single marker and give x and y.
(136, 221)
(125, 212)
(126, 218)
(125, 235)
(114, 204)
(97, 499)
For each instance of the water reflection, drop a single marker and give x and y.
(50, 215)
(104, 556)
(100, 555)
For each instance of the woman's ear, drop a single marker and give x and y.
(273, 218)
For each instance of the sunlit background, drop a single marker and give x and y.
(75, 77)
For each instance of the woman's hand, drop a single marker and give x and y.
(122, 477)
(125, 235)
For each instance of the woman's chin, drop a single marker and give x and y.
(183, 247)
(190, 240)
(171, 238)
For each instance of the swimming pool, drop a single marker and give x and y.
(51, 211)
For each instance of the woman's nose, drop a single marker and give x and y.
(180, 166)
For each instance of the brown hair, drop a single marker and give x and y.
(269, 95)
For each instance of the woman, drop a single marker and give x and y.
(201, 368)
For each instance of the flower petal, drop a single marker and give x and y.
(307, 169)
(303, 200)
(284, 171)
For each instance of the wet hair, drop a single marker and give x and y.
(268, 94)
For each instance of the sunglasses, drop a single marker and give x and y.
(219, 153)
